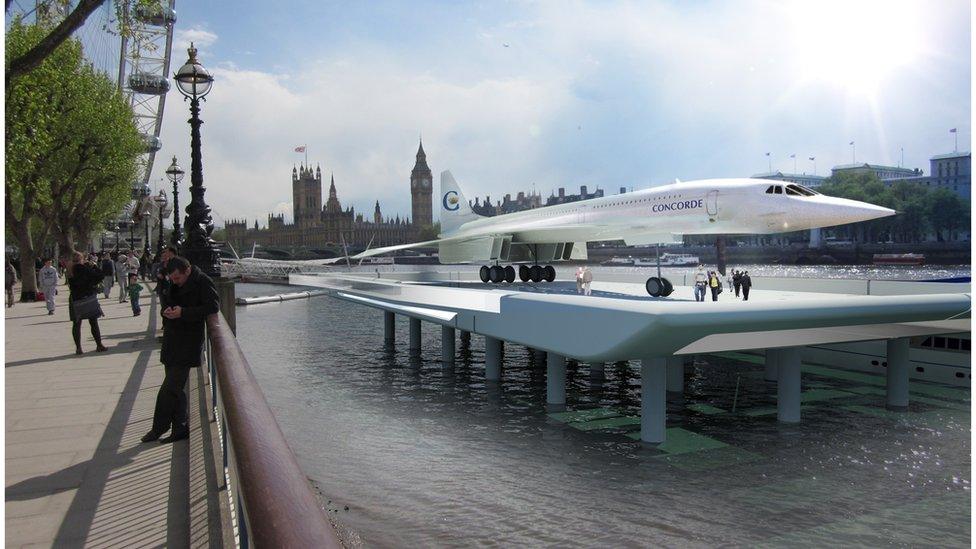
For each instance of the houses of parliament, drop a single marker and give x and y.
(316, 226)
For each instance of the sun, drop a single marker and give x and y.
(856, 44)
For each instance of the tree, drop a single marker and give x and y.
(947, 212)
(429, 232)
(71, 147)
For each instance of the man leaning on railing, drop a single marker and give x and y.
(190, 298)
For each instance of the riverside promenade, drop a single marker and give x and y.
(77, 474)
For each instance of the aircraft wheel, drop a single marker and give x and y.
(524, 273)
(484, 274)
(535, 273)
(549, 273)
(668, 288)
(654, 286)
(509, 274)
(496, 273)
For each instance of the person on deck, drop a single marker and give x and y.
(700, 282)
(746, 285)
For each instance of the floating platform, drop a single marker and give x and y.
(619, 321)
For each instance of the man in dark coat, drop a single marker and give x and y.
(736, 281)
(746, 282)
(192, 297)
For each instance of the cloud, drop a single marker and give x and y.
(202, 39)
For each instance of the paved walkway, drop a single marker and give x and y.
(76, 472)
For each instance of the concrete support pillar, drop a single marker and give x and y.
(654, 375)
(676, 374)
(389, 327)
(538, 355)
(596, 368)
(788, 385)
(493, 359)
(772, 364)
(447, 346)
(465, 338)
(414, 336)
(897, 377)
(555, 379)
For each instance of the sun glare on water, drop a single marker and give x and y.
(855, 44)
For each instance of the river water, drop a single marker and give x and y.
(411, 455)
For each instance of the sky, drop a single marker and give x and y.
(521, 95)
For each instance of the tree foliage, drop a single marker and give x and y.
(71, 146)
(921, 209)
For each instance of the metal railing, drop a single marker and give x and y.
(272, 503)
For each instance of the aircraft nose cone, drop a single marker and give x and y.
(870, 211)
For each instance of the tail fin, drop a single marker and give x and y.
(455, 210)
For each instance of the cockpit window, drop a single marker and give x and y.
(778, 190)
(799, 190)
(769, 190)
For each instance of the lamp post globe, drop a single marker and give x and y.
(195, 82)
(175, 174)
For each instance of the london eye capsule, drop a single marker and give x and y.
(150, 84)
(159, 16)
(153, 143)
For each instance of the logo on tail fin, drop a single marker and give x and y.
(450, 201)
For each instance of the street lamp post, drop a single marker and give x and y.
(195, 82)
(117, 230)
(175, 174)
(160, 206)
(146, 248)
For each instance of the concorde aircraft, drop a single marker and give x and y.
(659, 215)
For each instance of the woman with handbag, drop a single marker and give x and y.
(84, 282)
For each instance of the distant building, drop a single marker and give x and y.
(507, 204)
(321, 226)
(421, 188)
(563, 198)
(883, 172)
(811, 181)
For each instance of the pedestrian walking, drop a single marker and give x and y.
(47, 281)
(83, 284)
(579, 280)
(736, 282)
(714, 284)
(134, 290)
(587, 280)
(133, 264)
(9, 279)
(700, 282)
(746, 285)
(192, 298)
(122, 275)
(108, 273)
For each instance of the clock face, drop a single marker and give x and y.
(425, 184)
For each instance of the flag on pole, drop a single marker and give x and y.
(767, 154)
(851, 143)
(300, 149)
(812, 158)
(793, 155)
(953, 130)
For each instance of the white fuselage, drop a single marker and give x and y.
(711, 206)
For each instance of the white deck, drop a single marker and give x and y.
(620, 321)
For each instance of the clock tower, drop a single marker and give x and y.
(421, 189)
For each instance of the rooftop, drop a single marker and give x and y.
(951, 155)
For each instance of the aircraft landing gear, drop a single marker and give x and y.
(525, 273)
(658, 287)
